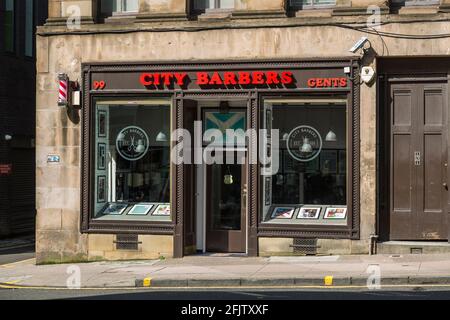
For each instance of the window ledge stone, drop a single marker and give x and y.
(316, 13)
(418, 10)
(216, 14)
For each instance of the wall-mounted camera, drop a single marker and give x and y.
(359, 45)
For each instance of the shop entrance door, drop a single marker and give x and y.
(226, 208)
(419, 161)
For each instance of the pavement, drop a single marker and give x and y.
(225, 271)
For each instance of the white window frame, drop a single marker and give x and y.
(311, 5)
(217, 6)
(121, 4)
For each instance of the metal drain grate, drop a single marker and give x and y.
(416, 250)
(305, 246)
(127, 242)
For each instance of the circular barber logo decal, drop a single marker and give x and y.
(304, 143)
(132, 143)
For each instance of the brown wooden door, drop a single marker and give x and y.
(226, 227)
(419, 157)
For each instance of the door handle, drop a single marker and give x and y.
(445, 185)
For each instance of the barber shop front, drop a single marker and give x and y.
(219, 157)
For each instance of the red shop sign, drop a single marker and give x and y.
(5, 169)
(218, 78)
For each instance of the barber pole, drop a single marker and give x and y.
(63, 89)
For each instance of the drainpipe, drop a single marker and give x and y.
(372, 244)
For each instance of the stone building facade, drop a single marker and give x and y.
(375, 185)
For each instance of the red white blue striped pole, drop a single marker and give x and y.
(63, 90)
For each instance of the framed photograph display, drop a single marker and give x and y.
(290, 164)
(101, 158)
(342, 160)
(115, 208)
(283, 213)
(268, 191)
(335, 213)
(162, 210)
(102, 124)
(309, 213)
(101, 189)
(312, 166)
(140, 209)
(328, 161)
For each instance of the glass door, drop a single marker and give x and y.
(226, 208)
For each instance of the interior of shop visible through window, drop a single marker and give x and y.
(132, 160)
(310, 186)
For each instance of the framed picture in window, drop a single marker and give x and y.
(269, 122)
(101, 189)
(101, 158)
(309, 213)
(115, 208)
(102, 124)
(140, 209)
(312, 166)
(342, 161)
(283, 212)
(335, 213)
(162, 210)
(328, 161)
(268, 191)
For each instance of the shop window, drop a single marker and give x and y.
(310, 185)
(132, 161)
(29, 27)
(9, 26)
(202, 5)
(398, 4)
(117, 7)
(305, 4)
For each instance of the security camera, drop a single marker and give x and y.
(359, 45)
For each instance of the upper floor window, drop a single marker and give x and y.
(396, 5)
(202, 5)
(305, 4)
(111, 7)
(29, 27)
(9, 25)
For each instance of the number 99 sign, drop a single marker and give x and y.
(99, 85)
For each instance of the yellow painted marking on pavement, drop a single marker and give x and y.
(147, 282)
(13, 282)
(328, 280)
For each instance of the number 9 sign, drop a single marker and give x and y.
(99, 85)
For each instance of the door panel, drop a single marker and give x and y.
(403, 174)
(418, 161)
(225, 208)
